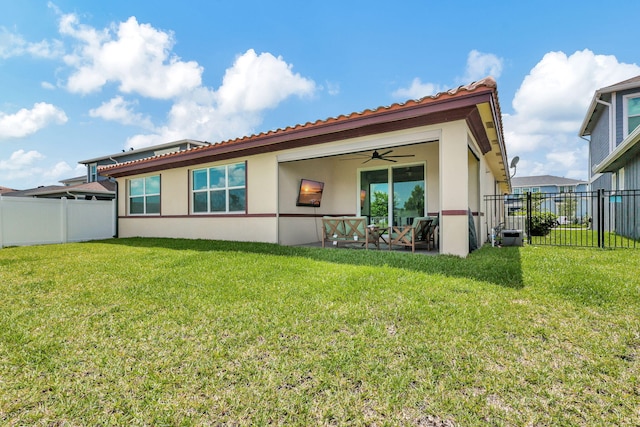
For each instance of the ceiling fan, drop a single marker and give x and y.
(385, 156)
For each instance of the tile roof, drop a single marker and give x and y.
(485, 85)
(101, 187)
(6, 190)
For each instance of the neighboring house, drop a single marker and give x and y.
(103, 190)
(556, 194)
(77, 180)
(612, 123)
(4, 190)
(93, 165)
(435, 156)
(547, 184)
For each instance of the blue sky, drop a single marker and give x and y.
(84, 79)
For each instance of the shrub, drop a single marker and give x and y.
(542, 223)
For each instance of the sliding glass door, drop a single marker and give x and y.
(392, 195)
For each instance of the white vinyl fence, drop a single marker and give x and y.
(30, 221)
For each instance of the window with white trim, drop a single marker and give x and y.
(621, 179)
(93, 172)
(144, 195)
(632, 113)
(220, 189)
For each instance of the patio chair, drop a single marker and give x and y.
(432, 233)
(410, 235)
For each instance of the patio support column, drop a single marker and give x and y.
(454, 190)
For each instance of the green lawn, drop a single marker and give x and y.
(565, 236)
(177, 332)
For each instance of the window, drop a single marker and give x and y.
(632, 113)
(621, 179)
(144, 195)
(220, 189)
(93, 172)
(566, 189)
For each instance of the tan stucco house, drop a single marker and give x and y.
(443, 152)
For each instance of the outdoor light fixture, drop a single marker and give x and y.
(514, 163)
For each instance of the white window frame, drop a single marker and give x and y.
(621, 179)
(227, 188)
(144, 195)
(625, 109)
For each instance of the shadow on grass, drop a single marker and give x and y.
(500, 266)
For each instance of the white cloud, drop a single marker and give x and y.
(481, 65)
(26, 122)
(333, 89)
(20, 159)
(47, 85)
(12, 45)
(257, 82)
(135, 56)
(549, 108)
(417, 90)
(119, 110)
(26, 169)
(253, 84)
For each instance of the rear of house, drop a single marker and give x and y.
(437, 156)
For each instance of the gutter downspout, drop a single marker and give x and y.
(72, 195)
(116, 201)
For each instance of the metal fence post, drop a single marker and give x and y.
(600, 213)
(529, 216)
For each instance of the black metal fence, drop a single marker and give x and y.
(604, 219)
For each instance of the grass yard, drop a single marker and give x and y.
(177, 332)
(565, 236)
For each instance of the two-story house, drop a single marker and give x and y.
(612, 123)
(93, 165)
(561, 196)
(547, 184)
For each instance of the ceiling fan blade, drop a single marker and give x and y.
(404, 155)
(360, 157)
(367, 161)
(390, 160)
(385, 153)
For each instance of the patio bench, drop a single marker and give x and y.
(349, 229)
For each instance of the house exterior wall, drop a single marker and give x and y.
(454, 183)
(632, 174)
(175, 220)
(599, 143)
